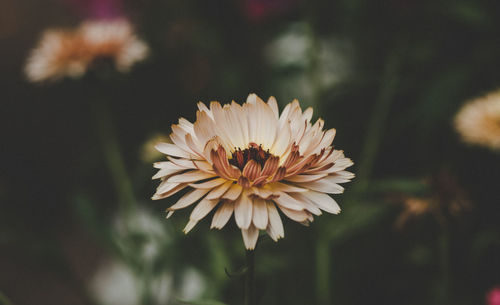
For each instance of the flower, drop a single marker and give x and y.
(250, 160)
(493, 296)
(446, 199)
(478, 122)
(70, 53)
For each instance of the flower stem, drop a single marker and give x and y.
(113, 157)
(249, 278)
(444, 253)
(378, 120)
(323, 271)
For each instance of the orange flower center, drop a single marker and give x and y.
(254, 152)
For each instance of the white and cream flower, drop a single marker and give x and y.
(478, 122)
(251, 161)
(70, 52)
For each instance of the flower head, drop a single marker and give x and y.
(250, 160)
(493, 296)
(70, 53)
(478, 122)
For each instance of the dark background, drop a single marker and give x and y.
(388, 75)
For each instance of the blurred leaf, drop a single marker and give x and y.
(4, 300)
(408, 186)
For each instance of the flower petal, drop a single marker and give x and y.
(323, 201)
(222, 215)
(260, 217)
(243, 211)
(220, 190)
(233, 193)
(188, 199)
(288, 202)
(275, 226)
(250, 237)
(191, 176)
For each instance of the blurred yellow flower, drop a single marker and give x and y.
(148, 151)
(478, 122)
(250, 160)
(69, 53)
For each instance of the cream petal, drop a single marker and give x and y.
(178, 138)
(287, 188)
(340, 177)
(307, 114)
(190, 225)
(282, 143)
(222, 215)
(233, 193)
(305, 178)
(308, 204)
(203, 208)
(188, 199)
(220, 190)
(298, 216)
(182, 163)
(166, 172)
(172, 150)
(275, 226)
(194, 146)
(166, 164)
(173, 190)
(169, 214)
(323, 201)
(223, 129)
(165, 186)
(273, 104)
(323, 185)
(209, 184)
(186, 125)
(288, 202)
(243, 211)
(260, 218)
(204, 108)
(341, 164)
(191, 176)
(250, 237)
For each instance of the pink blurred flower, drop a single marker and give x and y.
(258, 10)
(97, 9)
(493, 296)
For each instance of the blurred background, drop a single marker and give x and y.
(420, 223)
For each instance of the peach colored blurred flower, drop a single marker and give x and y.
(478, 122)
(70, 52)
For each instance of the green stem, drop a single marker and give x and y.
(444, 253)
(376, 125)
(249, 278)
(323, 271)
(113, 156)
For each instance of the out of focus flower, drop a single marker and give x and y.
(478, 122)
(446, 199)
(307, 62)
(250, 160)
(148, 151)
(258, 10)
(70, 53)
(493, 296)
